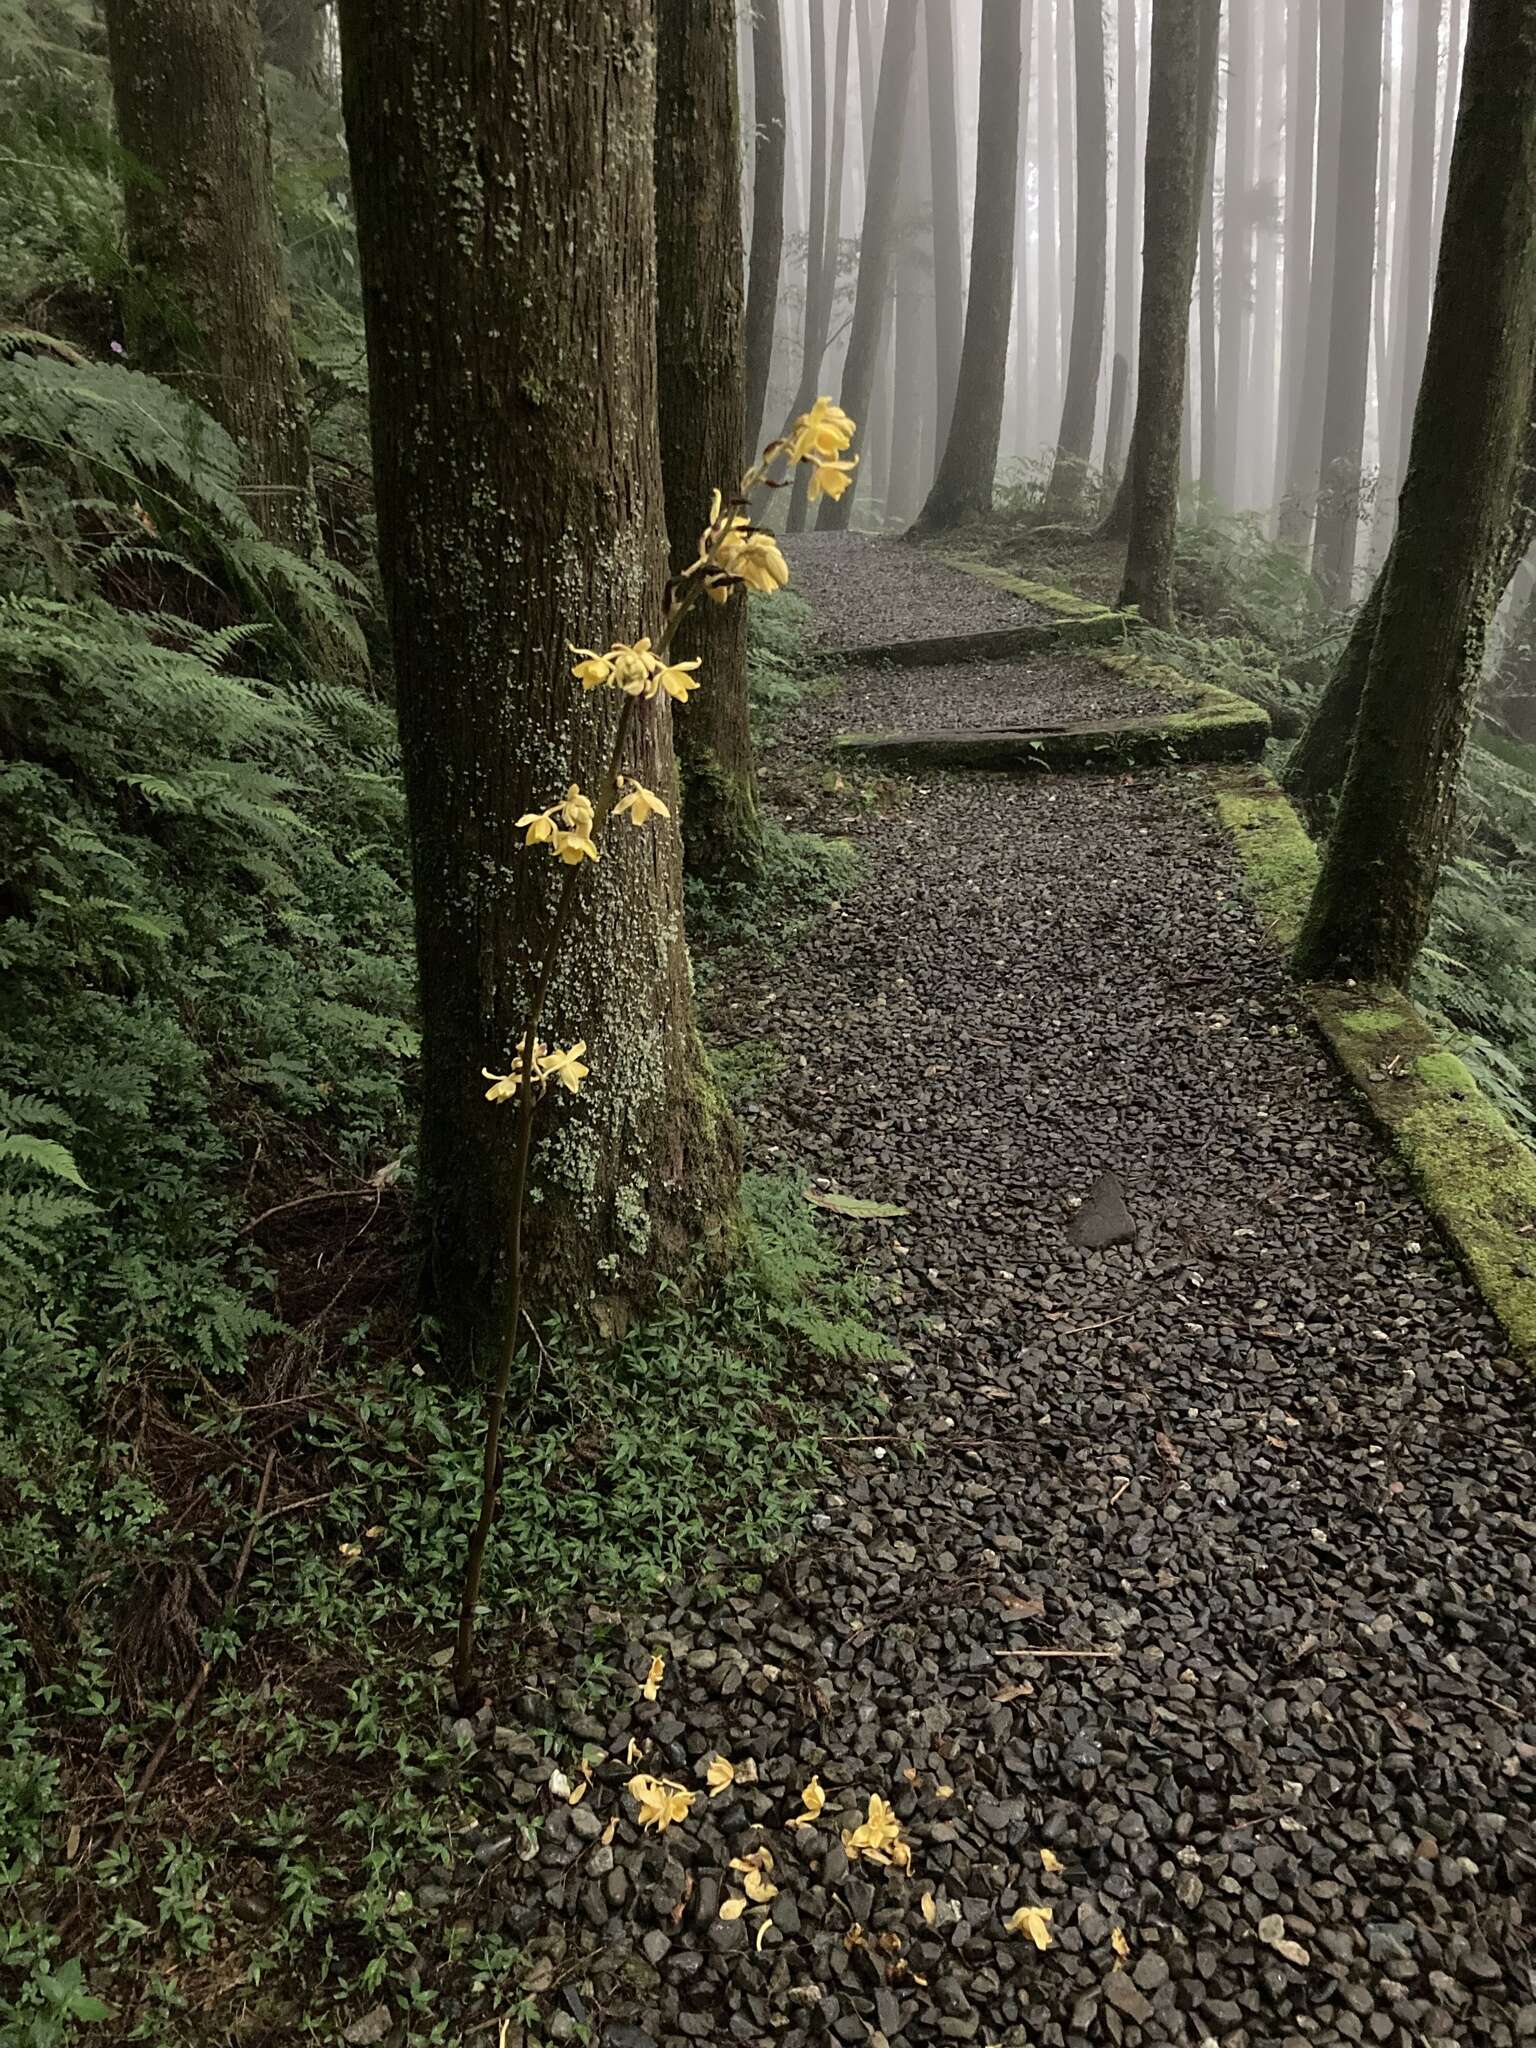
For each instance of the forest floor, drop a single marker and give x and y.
(1185, 1591)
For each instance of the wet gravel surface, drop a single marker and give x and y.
(868, 591)
(1187, 1591)
(1052, 690)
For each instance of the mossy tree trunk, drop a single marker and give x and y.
(1181, 89)
(963, 487)
(520, 508)
(1085, 354)
(1372, 905)
(767, 252)
(209, 311)
(701, 407)
(875, 241)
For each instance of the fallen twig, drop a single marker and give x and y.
(1110, 1650)
(325, 1195)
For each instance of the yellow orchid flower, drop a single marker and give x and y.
(676, 680)
(1035, 1921)
(831, 479)
(640, 805)
(573, 811)
(753, 557)
(651, 1684)
(539, 826)
(593, 670)
(824, 431)
(634, 667)
(575, 847)
(878, 1837)
(719, 1775)
(568, 1069)
(505, 1086)
(813, 1799)
(660, 1800)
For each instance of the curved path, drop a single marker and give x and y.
(1191, 1594)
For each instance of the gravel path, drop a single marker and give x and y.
(1189, 1593)
(868, 591)
(1052, 690)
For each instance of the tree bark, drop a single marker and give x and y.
(1047, 269)
(1447, 115)
(767, 251)
(1416, 207)
(700, 394)
(1066, 191)
(948, 239)
(826, 229)
(1305, 463)
(963, 487)
(1074, 443)
(209, 311)
(875, 238)
(1127, 238)
(1236, 289)
(1180, 117)
(1209, 388)
(1349, 343)
(1371, 909)
(519, 494)
(1258, 426)
(1021, 323)
(1301, 21)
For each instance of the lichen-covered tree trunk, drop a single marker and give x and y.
(767, 249)
(1085, 354)
(963, 487)
(1372, 905)
(948, 232)
(875, 241)
(1181, 86)
(503, 171)
(1349, 345)
(209, 310)
(699, 372)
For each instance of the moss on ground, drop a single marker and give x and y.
(1279, 861)
(1062, 604)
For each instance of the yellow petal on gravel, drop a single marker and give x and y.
(930, 1909)
(759, 1889)
(610, 1831)
(762, 1934)
(632, 1753)
(1035, 1921)
(732, 1909)
(660, 1800)
(719, 1775)
(755, 1859)
(813, 1799)
(1051, 1863)
(1118, 1943)
(653, 1678)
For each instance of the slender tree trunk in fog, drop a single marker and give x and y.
(869, 65)
(1180, 117)
(875, 238)
(767, 214)
(1236, 255)
(1417, 205)
(505, 531)
(1448, 112)
(1257, 429)
(1021, 357)
(1349, 343)
(826, 198)
(1074, 443)
(963, 488)
(1066, 198)
(1372, 905)
(1209, 399)
(1127, 241)
(948, 239)
(1306, 454)
(700, 405)
(211, 314)
(913, 332)
(1047, 265)
(1381, 354)
(1301, 24)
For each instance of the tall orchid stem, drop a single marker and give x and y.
(688, 595)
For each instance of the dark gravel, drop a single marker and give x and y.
(1266, 1456)
(1054, 690)
(868, 591)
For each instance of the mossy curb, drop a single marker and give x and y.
(1475, 1174)
(1063, 606)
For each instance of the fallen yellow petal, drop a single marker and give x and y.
(1035, 1921)
(762, 1936)
(660, 1800)
(610, 1831)
(632, 1753)
(756, 1859)
(732, 1909)
(1118, 1942)
(720, 1775)
(813, 1799)
(653, 1678)
(1051, 1862)
(943, 1791)
(759, 1889)
(930, 1909)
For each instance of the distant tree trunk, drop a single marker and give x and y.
(1127, 241)
(290, 37)
(869, 67)
(507, 528)
(767, 215)
(1380, 351)
(1047, 264)
(875, 238)
(1021, 356)
(1209, 388)
(948, 237)
(1416, 205)
(1305, 463)
(1066, 195)
(1448, 113)
(700, 396)
(1259, 423)
(1236, 302)
(817, 307)
(913, 328)
(1319, 760)
(963, 488)
(1180, 117)
(1371, 908)
(1074, 443)
(818, 303)
(209, 311)
(1301, 21)
(1349, 343)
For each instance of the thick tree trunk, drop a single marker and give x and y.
(209, 311)
(1349, 344)
(963, 487)
(875, 238)
(1127, 243)
(700, 407)
(519, 495)
(1236, 293)
(1301, 21)
(948, 238)
(1371, 908)
(1074, 443)
(767, 251)
(1305, 463)
(1416, 209)
(1180, 117)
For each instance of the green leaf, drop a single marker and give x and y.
(853, 1205)
(45, 1153)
